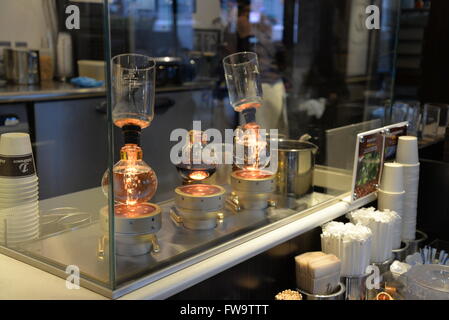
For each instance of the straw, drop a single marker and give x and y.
(350, 243)
(385, 228)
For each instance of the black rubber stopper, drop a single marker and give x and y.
(249, 115)
(131, 134)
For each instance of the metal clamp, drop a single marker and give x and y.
(233, 203)
(220, 217)
(174, 215)
(101, 248)
(155, 243)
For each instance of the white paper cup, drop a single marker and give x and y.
(19, 195)
(12, 203)
(14, 231)
(411, 186)
(12, 182)
(392, 177)
(19, 212)
(409, 233)
(23, 228)
(407, 151)
(15, 144)
(34, 196)
(391, 201)
(410, 167)
(19, 208)
(16, 239)
(22, 214)
(18, 243)
(397, 235)
(26, 189)
(14, 225)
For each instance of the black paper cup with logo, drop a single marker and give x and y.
(17, 168)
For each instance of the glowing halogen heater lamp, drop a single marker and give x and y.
(198, 206)
(252, 189)
(252, 185)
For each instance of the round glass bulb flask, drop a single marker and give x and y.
(195, 165)
(133, 90)
(251, 148)
(135, 182)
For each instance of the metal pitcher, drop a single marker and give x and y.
(21, 66)
(296, 161)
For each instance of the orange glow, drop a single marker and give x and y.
(130, 121)
(251, 125)
(242, 107)
(200, 190)
(134, 211)
(251, 173)
(198, 175)
(131, 152)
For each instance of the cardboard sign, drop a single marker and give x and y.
(392, 134)
(369, 159)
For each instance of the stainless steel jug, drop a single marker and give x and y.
(21, 66)
(296, 161)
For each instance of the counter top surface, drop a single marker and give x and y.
(168, 281)
(53, 90)
(19, 280)
(55, 287)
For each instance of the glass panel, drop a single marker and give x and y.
(55, 134)
(323, 76)
(407, 111)
(431, 121)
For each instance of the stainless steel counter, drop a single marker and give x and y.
(187, 257)
(53, 90)
(50, 90)
(179, 246)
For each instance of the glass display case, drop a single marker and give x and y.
(105, 198)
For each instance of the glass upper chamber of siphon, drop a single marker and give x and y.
(133, 88)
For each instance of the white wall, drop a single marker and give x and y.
(22, 20)
(206, 12)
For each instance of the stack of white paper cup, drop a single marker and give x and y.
(407, 155)
(391, 192)
(19, 191)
